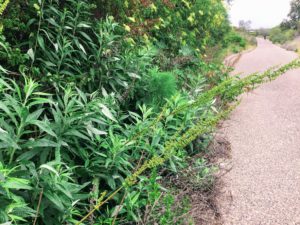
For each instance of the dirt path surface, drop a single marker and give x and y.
(263, 186)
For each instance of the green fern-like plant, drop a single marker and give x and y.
(160, 86)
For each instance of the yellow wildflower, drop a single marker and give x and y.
(127, 28)
(153, 7)
(187, 4)
(191, 18)
(3, 6)
(130, 41)
(132, 19)
(157, 27)
(37, 7)
(126, 4)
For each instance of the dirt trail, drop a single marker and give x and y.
(263, 186)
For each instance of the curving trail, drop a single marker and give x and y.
(263, 187)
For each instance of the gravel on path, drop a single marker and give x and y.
(263, 187)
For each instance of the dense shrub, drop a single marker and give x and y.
(234, 38)
(91, 90)
(161, 85)
(69, 145)
(277, 35)
(172, 22)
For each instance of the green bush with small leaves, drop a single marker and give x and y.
(160, 86)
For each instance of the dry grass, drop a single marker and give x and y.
(293, 45)
(205, 210)
(203, 198)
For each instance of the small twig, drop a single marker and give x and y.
(13, 73)
(38, 207)
(38, 33)
(140, 160)
(101, 203)
(151, 210)
(119, 209)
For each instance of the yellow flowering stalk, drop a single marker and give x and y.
(3, 6)
(146, 39)
(130, 41)
(191, 18)
(153, 7)
(126, 27)
(126, 4)
(187, 4)
(132, 19)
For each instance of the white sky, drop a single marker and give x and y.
(262, 13)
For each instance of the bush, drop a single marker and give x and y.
(160, 86)
(234, 38)
(86, 100)
(172, 24)
(68, 146)
(277, 35)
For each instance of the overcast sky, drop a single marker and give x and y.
(262, 13)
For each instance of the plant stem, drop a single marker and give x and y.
(38, 207)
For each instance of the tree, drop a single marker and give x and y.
(286, 24)
(294, 16)
(263, 32)
(245, 25)
(295, 10)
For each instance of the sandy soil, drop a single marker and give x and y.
(263, 186)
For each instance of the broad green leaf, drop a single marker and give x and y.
(111, 182)
(52, 21)
(3, 82)
(40, 143)
(3, 70)
(29, 154)
(64, 189)
(95, 130)
(50, 168)
(41, 42)
(9, 141)
(16, 183)
(44, 126)
(40, 101)
(84, 25)
(57, 201)
(34, 116)
(7, 223)
(86, 36)
(2, 131)
(82, 95)
(31, 54)
(76, 133)
(16, 218)
(82, 48)
(134, 75)
(107, 112)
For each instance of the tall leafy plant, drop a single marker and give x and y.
(68, 47)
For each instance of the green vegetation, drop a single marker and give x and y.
(100, 100)
(281, 36)
(238, 41)
(289, 28)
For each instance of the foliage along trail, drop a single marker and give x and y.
(101, 97)
(232, 87)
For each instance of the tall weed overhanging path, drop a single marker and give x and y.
(263, 186)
